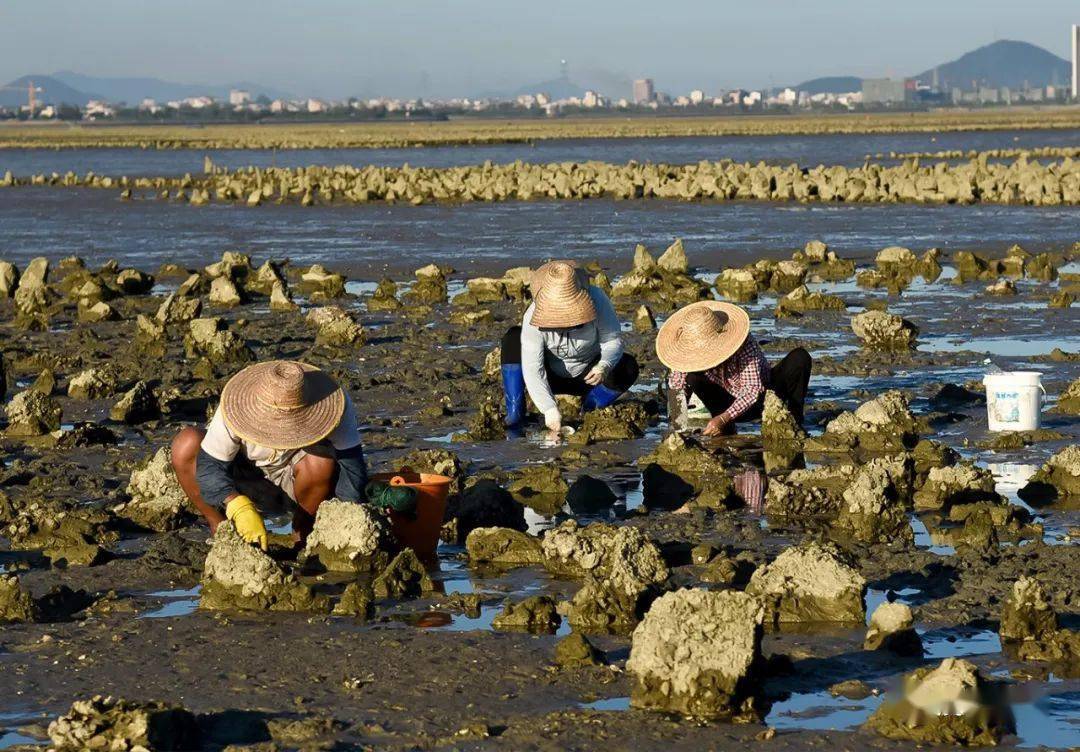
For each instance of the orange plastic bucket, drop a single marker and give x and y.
(422, 533)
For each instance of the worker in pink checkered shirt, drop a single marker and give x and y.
(711, 353)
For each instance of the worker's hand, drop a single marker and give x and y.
(249, 524)
(717, 426)
(553, 420)
(597, 375)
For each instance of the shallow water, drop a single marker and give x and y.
(369, 240)
(808, 150)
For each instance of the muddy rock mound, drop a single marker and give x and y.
(778, 425)
(1069, 401)
(873, 508)
(622, 421)
(622, 570)
(816, 492)
(348, 537)
(534, 614)
(962, 483)
(178, 309)
(1057, 479)
(335, 328)
(949, 704)
(892, 628)
(157, 502)
(621, 554)
(575, 651)
(385, 297)
(237, 575)
(69, 533)
(320, 285)
(105, 723)
(16, 605)
(212, 339)
(31, 413)
(1029, 628)
(430, 286)
(697, 653)
(879, 330)
(404, 577)
(738, 285)
(801, 300)
(503, 546)
(882, 424)
(540, 486)
(137, 405)
(681, 470)
(810, 583)
(9, 279)
(92, 383)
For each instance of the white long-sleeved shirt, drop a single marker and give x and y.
(568, 352)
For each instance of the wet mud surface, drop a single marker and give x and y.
(430, 670)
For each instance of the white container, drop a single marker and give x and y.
(1013, 400)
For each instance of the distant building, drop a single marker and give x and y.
(317, 105)
(885, 91)
(1076, 61)
(239, 97)
(590, 99)
(643, 91)
(697, 96)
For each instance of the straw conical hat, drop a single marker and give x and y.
(702, 335)
(561, 297)
(282, 404)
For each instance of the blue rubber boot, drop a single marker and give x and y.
(514, 390)
(599, 396)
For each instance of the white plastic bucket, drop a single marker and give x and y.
(1013, 400)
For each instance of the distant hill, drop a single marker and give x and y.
(830, 85)
(134, 90)
(53, 91)
(1002, 63)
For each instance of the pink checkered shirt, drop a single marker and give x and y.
(744, 376)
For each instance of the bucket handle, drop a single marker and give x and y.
(1042, 397)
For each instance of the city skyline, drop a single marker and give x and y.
(334, 49)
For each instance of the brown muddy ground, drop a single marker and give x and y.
(423, 674)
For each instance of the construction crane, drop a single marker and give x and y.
(31, 94)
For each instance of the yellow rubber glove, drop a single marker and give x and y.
(242, 513)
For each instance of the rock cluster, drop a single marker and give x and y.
(1029, 628)
(949, 704)
(157, 502)
(884, 423)
(31, 413)
(348, 537)
(883, 331)
(810, 583)
(107, 723)
(1056, 480)
(239, 576)
(892, 628)
(622, 569)
(978, 180)
(503, 546)
(698, 653)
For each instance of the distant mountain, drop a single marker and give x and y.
(53, 91)
(830, 85)
(1002, 63)
(134, 90)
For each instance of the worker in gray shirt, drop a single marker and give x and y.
(569, 342)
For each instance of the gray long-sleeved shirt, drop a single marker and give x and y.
(568, 352)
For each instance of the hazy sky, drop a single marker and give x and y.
(335, 48)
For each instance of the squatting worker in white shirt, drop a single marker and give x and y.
(282, 428)
(569, 342)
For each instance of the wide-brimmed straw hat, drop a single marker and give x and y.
(561, 297)
(282, 404)
(702, 335)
